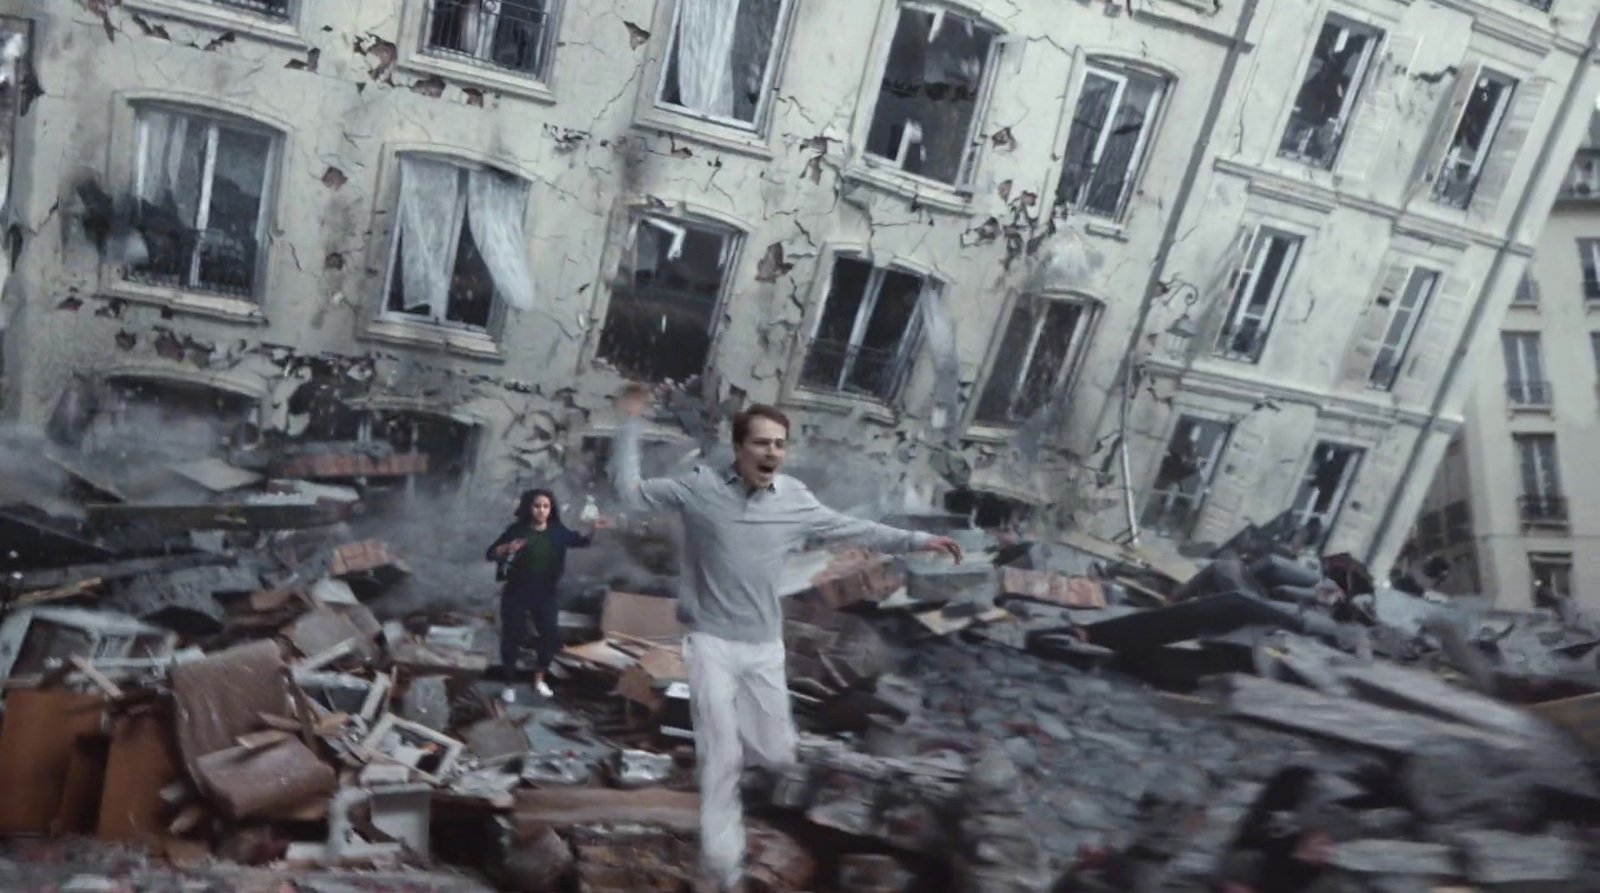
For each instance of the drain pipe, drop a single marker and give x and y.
(1169, 237)
(1475, 318)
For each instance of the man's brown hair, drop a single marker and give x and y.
(741, 420)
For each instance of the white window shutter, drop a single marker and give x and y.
(1495, 175)
(1234, 479)
(1377, 478)
(1369, 339)
(1434, 341)
(1439, 145)
(1379, 104)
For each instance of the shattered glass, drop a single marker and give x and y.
(1322, 107)
(1186, 471)
(868, 318)
(201, 189)
(1033, 355)
(1110, 132)
(929, 97)
(1322, 492)
(664, 300)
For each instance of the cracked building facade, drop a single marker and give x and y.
(1198, 263)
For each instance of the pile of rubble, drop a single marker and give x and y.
(216, 684)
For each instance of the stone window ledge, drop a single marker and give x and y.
(219, 307)
(842, 404)
(462, 342)
(521, 86)
(920, 190)
(705, 132)
(276, 31)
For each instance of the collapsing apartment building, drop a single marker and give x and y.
(1171, 262)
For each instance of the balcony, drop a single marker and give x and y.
(1543, 510)
(1529, 394)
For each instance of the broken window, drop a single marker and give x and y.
(447, 443)
(1474, 133)
(1322, 493)
(721, 61)
(1430, 532)
(1589, 256)
(1403, 322)
(1042, 343)
(1552, 578)
(512, 34)
(933, 85)
(278, 9)
(1457, 523)
(987, 511)
(664, 299)
(1258, 288)
(1111, 132)
(458, 243)
(1541, 500)
(1525, 384)
(1181, 485)
(862, 340)
(202, 185)
(1527, 294)
(1328, 93)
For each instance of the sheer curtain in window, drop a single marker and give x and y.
(495, 204)
(705, 52)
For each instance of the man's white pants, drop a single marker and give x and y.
(739, 698)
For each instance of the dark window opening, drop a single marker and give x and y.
(1405, 319)
(862, 340)
(1322, 493)
(1473, 137)
(1256, 295)
(471, 289)
(1327, 96)
(664, 300)
(1552, 578)
(986, 510)
(509, 34)
(1111, 131)
(1589, 255)
(1041, 343)
(1527, 293)
(1542, 501)
(448, 444)
(201, 185)
(928, 103)
(722, 82)
(1184, 480)
(1525, 381)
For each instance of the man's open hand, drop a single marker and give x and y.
(944, 544)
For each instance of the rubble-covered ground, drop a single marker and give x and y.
(275, 672)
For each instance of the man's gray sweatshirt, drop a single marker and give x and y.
(736, 541)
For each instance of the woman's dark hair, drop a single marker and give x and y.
(525, 507)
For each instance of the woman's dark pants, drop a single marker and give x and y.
(519, 602)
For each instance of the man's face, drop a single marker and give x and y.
(761, 454)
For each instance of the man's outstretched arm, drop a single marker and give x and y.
(636, 493)
(831, 526)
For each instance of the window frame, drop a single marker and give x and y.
(1589, 264)
(271, 183)
(909, 342)
(290, 14)
(1071, 361)
(1114, 69)
(769, 78)
(1545, 469)
(1350, 101)
(1412, 326)
(1249, 278)
(1560, 562)
(549, 40)
(734, 237)
(1521, 389)
(972, 146)
(1172, 496)
(497, 305)
(1347, 477)
(1497, 118)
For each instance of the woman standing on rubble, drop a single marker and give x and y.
(530, 556)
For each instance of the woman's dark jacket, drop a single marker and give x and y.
(543, 556)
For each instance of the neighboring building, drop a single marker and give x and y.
(1512, 509)
(934, 230)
